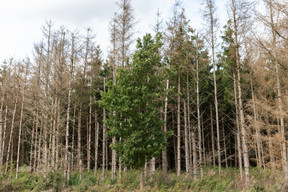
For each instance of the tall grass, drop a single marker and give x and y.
(261, 180)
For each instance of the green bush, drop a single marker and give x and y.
(55, 180)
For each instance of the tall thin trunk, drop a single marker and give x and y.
(36, 142)
(67, 127)
(258, 138)
(1, 132)
(79, 141)
(178, 128)
(224, 142)
(280, 102)
(198, 112)
(238, 128)
(186, 139)
(39, 146)
(96, 143)
(194, 153)
(104, 138)
(114, 39)
(4, 132)
(270, 146)
(189, 129)
(11, 134)
(212, 28)
(68, 111)
(73, 136)
(240, 102)
(203, 143)
(32, 143)
(212, 136)
(53, 156)
(164, 152)
(20, 126)
(89, 133)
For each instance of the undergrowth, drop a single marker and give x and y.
(260, 181)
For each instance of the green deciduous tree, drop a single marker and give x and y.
(135, 100)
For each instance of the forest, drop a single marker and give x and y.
(181, 109)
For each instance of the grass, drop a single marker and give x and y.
(261, 181)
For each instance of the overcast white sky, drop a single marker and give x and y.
(21, 20)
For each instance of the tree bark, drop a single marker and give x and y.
(1, 132)
(258, 137)
(212, 136)
(240, 103)
(280, 102)
(11, 133)
(79, 141)
(104, 138)
(142, 179)
(96, 142)
(164, 152)
(238, 134)
(186, 139)
(178, 128)
(20, 125)
(198, 112)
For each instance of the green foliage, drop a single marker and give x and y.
(55, 180)
(134, 104)
(261, 180)
(88, 180)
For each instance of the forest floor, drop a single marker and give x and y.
(261, 180)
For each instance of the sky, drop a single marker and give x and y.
(21, 20)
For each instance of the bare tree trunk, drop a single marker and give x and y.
(189, 130)
(280, 102)
(240, 103)
(11, 134)
(104, 138)
(178, 128)
(67, 127)
(79, 141)
(263, 158)
(203, 144)
(1, 132)
(36, 141)
(224, 140)
(142, 179)
(53, 156)
(73, 136)
(4, 132)
(89, 133)
(194, 154)
(212, 22)
(39, 146)
(59, 125)
(20, 125)
(186, 140)
(198, 113)
(68, 110)
(152, 167)
(164, 152)
(32, 144)
(258, 138)
(238, 128)
(212, 136)
(270, 146)
(113, 40)
(96, 142)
